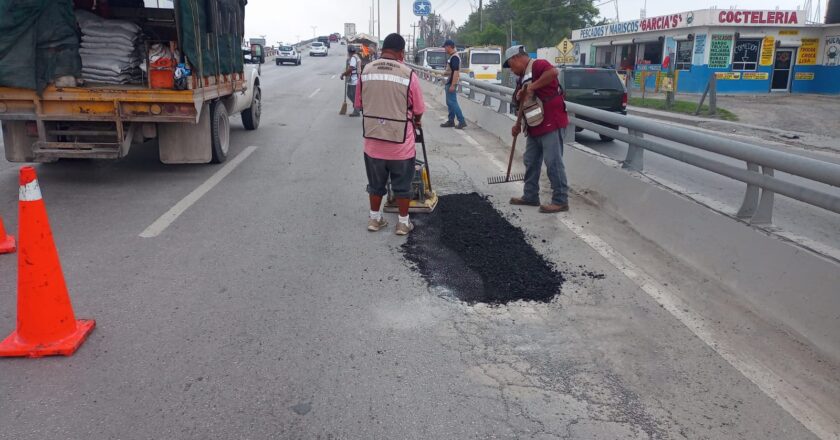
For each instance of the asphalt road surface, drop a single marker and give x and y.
(266, 309)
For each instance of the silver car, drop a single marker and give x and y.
(318, 49)
(288, 54)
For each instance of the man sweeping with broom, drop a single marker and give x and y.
(351, 78)
(389, 94)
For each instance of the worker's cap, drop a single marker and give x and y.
(448, 43)
(512, 52)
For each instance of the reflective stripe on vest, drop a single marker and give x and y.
(385, 88)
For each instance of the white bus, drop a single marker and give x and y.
(482, 63)
(432, 58)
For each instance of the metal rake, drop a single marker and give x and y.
(519, 177)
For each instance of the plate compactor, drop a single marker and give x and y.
(423, 197)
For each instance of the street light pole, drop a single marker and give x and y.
(314, 31)
(398, 16)
(379, 18)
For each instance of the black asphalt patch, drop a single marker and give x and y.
(469, 248)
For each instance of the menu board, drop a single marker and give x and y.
(699, 49)
(720, 50)
(768, 46)
(808, 52)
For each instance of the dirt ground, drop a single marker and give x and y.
(815, 114)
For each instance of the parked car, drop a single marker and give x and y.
(596, 87)
(318, 49)
(288, 54)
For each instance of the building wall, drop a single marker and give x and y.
(820, 74)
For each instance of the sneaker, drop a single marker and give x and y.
(375, 225)
(461, 126)
(553, 208)
(448, 124)
(522, 202)
(404, 229)
(354, 115)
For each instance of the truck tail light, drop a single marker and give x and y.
(31, 129)
(624, 101)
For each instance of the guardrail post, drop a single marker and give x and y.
(569, 131)
(471, 95)
(764, 213)
(748, 206)
(503, 107)
(635, 159)
(487, 100)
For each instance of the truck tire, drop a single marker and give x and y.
(219, 131)
(251, 116)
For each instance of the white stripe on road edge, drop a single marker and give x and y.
(30, 192)
(314, 93)
(770, 383)
(170, 216)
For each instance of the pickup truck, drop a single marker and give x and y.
(103, 121)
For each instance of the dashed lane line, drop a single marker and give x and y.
(314, 93)
(164, 221)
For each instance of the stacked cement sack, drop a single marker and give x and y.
(111, 50)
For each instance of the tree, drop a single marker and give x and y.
(536, 23)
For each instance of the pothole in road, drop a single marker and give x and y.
(468, 248)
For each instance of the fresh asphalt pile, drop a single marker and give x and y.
(468, 248)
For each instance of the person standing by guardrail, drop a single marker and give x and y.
(453, 74)
(538, 90)
(351, 74)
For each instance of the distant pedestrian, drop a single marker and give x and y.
(389, 94)
(351, 76)
(538, 87)
(453, 77)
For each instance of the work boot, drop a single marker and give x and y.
(522, 202)
(404, 229)
(461, 126)
(375, 225)
(448, 124)
(355, 114)
(553, 208)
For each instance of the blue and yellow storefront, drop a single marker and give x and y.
(746, 51)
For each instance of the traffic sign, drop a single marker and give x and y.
(422, 8)
(566, 47)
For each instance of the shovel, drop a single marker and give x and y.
(507, 178)
(343, 110)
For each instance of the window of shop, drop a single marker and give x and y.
(653, 53)
(745, 56)
(685, 49)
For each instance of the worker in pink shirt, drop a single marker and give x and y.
(389, 94)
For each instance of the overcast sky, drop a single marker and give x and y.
(285, 20)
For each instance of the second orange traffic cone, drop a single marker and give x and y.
(46, 324)
(7, 242)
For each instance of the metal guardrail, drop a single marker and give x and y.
(761, 162)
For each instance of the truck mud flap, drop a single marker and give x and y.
(183, 143)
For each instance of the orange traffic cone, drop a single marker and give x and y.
(7, 242)
(46, 324)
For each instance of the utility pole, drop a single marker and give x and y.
(379, 18)
(414, 38)
(481, 15)
(398, 16)
(314, 31)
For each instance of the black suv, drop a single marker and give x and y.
(596, 87)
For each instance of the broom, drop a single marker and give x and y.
(343, 110)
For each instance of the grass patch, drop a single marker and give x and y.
(684, 107)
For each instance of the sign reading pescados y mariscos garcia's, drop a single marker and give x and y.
(706, 17)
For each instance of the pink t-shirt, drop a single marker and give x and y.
(389, 150)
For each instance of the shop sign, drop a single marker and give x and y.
(662, 23)
(758, 17)
(667, 84)
(699, 49)
(789, 32)
(804, 76)
(808, 52)
(648, 67)
(728, 75)
(762, 76)
(720, 50)
(832, 51)
(768, 47)
(630, 27)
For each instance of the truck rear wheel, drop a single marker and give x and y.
(251, 116)
(220, 132)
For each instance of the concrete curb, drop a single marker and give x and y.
(790, 285)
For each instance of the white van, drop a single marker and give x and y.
(432, 58)
(482, 63)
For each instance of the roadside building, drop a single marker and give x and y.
(748, 51)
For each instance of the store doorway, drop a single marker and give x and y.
(782, 69)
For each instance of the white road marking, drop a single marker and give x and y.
(771, 384)
(332, 77)
(314, 93)
(170, 216)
